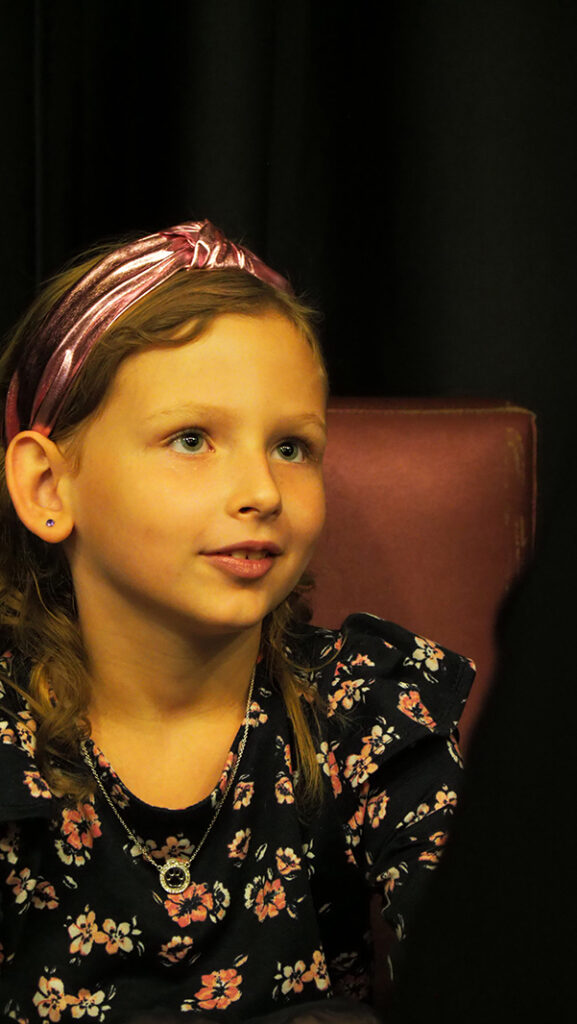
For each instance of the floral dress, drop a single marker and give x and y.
(277, 908)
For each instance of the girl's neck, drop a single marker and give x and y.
(165, 714)
(167, 678)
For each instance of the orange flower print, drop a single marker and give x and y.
(50, 999)
(223, 781)
(24, 889)
(256, 715)
(7, 734)
(177, 950)
(378, 739)
(119, 795)
(332, 648)
(358, 768)
(270, 900)
(433, 856)
(318, 972)
(330, 767)
(238, 848)
(390, 877)
(445, 798)
(80, 827)
(411, 705)
(287, 862)
(265, 896)
(119, 937)
(352, 831)
(284, 790)
(428, 653)
(357, 820)
(26, 729)
(348, 693)
(36, 784)
(84, 932)
(454, 750)
(175, 846)
(89, 1003)
(292, 978)
(243, 794)
(221, 901)
(362, 659)
(377, 809)
(412, 817)
(44, 896)
(219, 990)
(9, 844)
(194, 904)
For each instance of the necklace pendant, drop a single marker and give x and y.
(175, 875)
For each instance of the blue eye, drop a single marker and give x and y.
(292, 450)
(189, 441)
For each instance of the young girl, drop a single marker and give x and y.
(199, 792)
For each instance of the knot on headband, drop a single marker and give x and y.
(69, 333)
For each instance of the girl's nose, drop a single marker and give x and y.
(255, 489)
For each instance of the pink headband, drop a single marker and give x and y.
(67, 336)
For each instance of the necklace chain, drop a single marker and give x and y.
(175, 872)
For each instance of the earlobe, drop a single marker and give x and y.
(36, 474)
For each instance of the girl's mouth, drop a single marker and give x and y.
(243, 563)
(250, 555)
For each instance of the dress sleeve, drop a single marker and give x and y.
(393, 701)
(406, 816)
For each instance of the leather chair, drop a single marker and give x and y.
(431, 516)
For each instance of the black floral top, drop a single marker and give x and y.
(276, 911)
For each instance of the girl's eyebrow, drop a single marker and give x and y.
(194, 409)
(310, 419)
(199, 410)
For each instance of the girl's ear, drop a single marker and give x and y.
(36, 475)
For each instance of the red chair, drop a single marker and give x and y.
(431, 516)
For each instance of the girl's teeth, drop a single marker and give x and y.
(248, 554)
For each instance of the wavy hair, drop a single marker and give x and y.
(38, 615)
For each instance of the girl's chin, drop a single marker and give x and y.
(228, 625)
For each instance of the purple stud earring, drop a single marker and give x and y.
(50, 522)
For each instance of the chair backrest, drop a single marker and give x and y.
(431, 516)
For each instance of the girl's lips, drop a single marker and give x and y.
(257, 564)
(248, 548)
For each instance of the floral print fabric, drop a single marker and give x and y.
(277, 909)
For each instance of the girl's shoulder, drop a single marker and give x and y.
(373, 675)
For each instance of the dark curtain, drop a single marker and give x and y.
(412, 166)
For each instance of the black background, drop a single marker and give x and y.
(412, 167)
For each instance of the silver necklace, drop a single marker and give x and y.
(175, 872)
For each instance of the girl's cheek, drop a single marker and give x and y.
(315, 514)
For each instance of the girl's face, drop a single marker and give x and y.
(199, 496)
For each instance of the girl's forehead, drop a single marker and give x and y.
(236, 355)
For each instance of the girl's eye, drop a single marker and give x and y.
(190, 442)
(292, 450)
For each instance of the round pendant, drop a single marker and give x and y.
(175, 875)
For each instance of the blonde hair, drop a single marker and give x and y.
(37, 604)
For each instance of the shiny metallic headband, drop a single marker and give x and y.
(68, 335)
